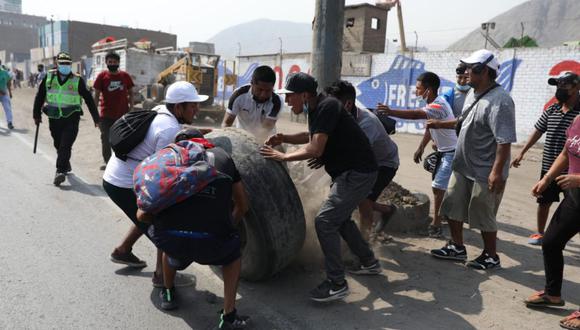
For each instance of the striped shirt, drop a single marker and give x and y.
(554, 123)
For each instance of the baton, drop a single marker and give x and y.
(36, 138)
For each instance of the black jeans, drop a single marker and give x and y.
(564, 225)
(64, 132)
(105, 127)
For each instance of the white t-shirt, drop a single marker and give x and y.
(249, 113)
(445, 139)
(161, 133)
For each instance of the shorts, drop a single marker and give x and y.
(126, 200)
(443, 171)
(472, 202)
(551, 194)
(384, 176)
(183, 251)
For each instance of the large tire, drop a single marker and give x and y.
(274, 228)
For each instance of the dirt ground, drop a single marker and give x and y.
(415, 290)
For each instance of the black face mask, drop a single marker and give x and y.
(113, 68)
(562, 95)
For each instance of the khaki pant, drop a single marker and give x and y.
(472, 202)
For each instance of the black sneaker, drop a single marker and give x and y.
(128, 259)
(59, 178)
(329, 291)
(238, 322)
(168, 299)
(10, 126)
(484, 262)
(451, 251)
(372, 269)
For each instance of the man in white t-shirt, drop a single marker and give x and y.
(445, 139)
(255, 107)
(182, 103)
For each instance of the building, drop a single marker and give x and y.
(77, 38)
(11, 6)
(365, 29)
(19, 33)
(202, 47)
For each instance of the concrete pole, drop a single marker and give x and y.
(327, 42)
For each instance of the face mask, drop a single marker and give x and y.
(113, 68)
(562, 95)
(422, 98)
(64, 69)
(462, 88)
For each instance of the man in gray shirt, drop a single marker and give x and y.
(385, 150)
(481, 163)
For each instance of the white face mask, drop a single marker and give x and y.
(423, 98)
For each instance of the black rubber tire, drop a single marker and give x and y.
(274, 228)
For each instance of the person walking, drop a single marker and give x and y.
(553, 122)
(6, 95)
(114, 92)
(63, 92)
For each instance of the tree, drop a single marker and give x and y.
(526, 41)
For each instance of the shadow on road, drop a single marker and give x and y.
(78, 185)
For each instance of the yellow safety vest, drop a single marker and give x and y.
(62, 100)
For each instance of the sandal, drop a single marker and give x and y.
(572, 317)
(543, 301)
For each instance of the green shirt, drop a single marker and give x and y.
(4, 78)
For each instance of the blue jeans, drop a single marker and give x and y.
(5, 100)
(443, 174)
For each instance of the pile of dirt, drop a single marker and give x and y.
(395, 194)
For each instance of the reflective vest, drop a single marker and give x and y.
(62, 100)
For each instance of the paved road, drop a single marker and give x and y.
(55, 272)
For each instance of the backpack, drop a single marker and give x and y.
(130, 130)
(172, 175)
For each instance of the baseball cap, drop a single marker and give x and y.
(188, 133)
(299, 82)
(183, 91)
(481, 56)
(566, 78)
(63, 58)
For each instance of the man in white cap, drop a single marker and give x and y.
(481, 163)
(181, 105)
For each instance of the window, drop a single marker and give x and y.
(375, 23)
(350, 22)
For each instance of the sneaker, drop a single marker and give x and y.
(536, 239)
(59, 178)
(239, 321)
(484, 262)
(168, 299)
(128, 259)
(329, 291)
(451, 251)
(10, 126)
(372, 269)
(435, 231)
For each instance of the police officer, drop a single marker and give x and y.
(63, 92)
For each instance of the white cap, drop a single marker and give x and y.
(483, 56)
(183, 91)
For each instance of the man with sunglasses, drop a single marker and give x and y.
(456, 96)
(554, 122)
(481, 163)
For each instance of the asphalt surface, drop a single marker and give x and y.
(56, 274)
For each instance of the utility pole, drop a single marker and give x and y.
(280, 39)
(52, 37)
(486, 27)
(239, 49)
(327, 41)
(522, 37)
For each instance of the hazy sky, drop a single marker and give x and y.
(437, 22)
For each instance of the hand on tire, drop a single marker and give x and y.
(274, 140)
(270, 153)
